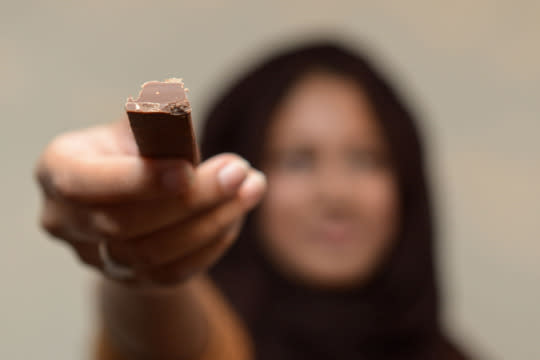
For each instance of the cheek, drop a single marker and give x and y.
(378, 198)
(283, 208)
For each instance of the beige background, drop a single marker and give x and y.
(472, 69)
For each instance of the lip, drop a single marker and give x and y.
(335, 233)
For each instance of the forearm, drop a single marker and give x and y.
(144, 324)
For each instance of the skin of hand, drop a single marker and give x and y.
(162, 217)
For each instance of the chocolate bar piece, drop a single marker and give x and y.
(160, 119)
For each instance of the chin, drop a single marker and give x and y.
(328, 280)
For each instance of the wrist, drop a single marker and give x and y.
(154, 322)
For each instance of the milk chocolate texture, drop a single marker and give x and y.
(160, 119)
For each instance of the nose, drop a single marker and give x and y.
(334, 186)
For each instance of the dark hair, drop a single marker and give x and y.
(396, 315)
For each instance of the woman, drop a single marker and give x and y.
(335, 263)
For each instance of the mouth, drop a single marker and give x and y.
(336, 233)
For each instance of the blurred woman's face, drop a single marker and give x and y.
(331, 210)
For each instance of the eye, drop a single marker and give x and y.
(366, 160)
(296, 160)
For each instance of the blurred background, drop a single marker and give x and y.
(470, 68)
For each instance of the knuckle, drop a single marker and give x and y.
(41, 170)
(86, 253)
(61, 185)
(201, 232)
(51, 223)
(145, 255)
(210, 227)
(107, 226)
(85, 259)
(54, 182)
(41, 175)
(221, 220)
(44, 179)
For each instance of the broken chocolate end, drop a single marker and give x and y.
(168, 96)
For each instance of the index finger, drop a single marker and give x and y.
(92, 178)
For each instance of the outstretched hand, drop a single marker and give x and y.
(163, 218)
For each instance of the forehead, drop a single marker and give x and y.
(324, 108)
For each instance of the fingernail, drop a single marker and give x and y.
(232, 175)
(177, 179)
(253, 187)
